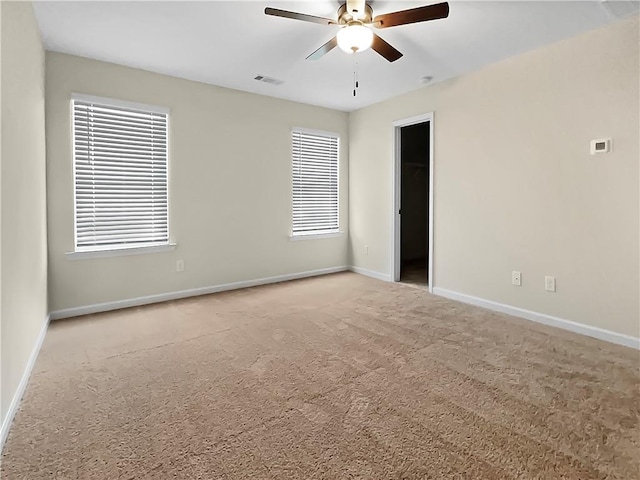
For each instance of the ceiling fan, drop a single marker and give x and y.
(356, 18)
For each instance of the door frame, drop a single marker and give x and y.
(397, 188)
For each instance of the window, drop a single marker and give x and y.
(120, 175)
(315, 183)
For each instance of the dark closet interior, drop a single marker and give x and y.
(414, 203)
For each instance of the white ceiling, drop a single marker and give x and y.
(228, 43)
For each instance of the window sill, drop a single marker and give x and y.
(314, 236)
(120, 252)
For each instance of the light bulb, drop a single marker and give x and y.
(355, 38)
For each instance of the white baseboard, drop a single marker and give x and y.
(22, 386)
(596, 332)
(163, 297)
(370, 273)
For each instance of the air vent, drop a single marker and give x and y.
(271, 80)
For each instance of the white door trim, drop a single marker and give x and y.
(396, 189)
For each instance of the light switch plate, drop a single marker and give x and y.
(550, 284)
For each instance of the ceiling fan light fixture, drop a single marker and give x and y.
(355, 37)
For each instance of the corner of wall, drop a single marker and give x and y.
(23, 237)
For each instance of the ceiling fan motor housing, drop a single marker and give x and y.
(345, 17)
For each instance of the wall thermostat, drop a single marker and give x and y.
(602, 145)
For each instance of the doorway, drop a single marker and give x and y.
(413, 215)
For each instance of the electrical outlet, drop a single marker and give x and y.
(179, 265)
(516, 278)
(550, 284)
(366, 249)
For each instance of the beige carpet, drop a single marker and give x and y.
(338, 377)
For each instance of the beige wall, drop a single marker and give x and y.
(23, 256)
(230, 181)
(515, 186)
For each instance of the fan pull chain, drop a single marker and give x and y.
(356, 84)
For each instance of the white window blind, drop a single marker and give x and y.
(120, 170)
(315, 183)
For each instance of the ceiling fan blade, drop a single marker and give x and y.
(326, 48)
(385, 49)
(413, 15)
(298, 16)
